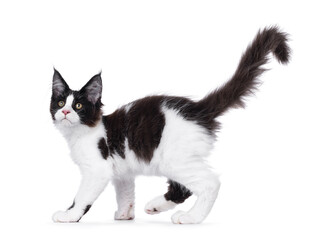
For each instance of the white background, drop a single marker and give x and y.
(267, 154)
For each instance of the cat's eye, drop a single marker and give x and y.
(78, 106)
(61, 103)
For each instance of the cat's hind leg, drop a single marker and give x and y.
(176, 194)
(204, 184)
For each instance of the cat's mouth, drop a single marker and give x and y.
(66, 120)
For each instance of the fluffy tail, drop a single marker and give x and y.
(245, 79)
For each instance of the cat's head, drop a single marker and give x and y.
(70, 108)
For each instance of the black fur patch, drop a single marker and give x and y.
(145, 125)
(71, 205)
(177, 193)
(142, 125)
(86, 209)
(102, 145)
(115, 125)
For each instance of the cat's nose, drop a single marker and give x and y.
(65, 112)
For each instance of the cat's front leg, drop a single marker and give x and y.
(94, 180)
(125, 198)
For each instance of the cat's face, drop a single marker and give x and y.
(70, 108)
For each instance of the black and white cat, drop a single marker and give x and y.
(156, 135)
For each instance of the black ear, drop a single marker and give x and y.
(93, 88)
(59, 85)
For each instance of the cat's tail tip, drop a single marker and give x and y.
(278, 41)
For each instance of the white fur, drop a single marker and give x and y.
(179, 157)
(125, 198)
(158, 205)
(127, 107)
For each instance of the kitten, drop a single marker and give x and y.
(156, 135)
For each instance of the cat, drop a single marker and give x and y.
(157, 135)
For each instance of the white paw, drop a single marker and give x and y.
(65, 217)
(182, 217)
(158, 205)
(126, 214)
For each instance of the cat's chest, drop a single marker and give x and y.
(84, 149)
